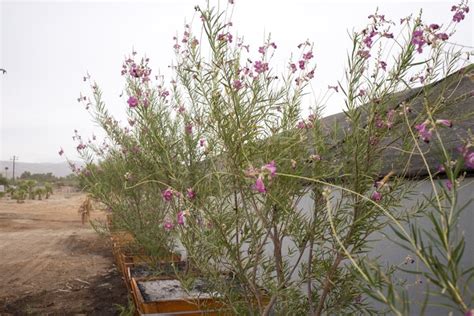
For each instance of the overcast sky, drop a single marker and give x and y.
(47, 47)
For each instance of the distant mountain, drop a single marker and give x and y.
(61, 169)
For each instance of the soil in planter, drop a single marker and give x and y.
(157, 290)
(144, 270)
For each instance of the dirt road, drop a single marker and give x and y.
(52, 264)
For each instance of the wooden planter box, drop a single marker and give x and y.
(176, 306)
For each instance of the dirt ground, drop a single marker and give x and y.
(51, 264)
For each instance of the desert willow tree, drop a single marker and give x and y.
(135, 164)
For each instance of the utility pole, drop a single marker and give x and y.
(6, 172)
(14, 159)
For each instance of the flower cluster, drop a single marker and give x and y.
(267, 169)
(460, 12)
(308, 123)
(425, 132)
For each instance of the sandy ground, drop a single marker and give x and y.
(52, 264)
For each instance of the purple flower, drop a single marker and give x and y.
(260, 67)
(423, 132)
(188, 128)
(301, 64)
(449, 185)
(301, 125)
(262, 49)
(293, 68)
(190, 193)
(364, 54)
(308, 55)
(259, 185)
(441, 168)
(442, 36)
(458, 16)
(469, 313)
(81, 146)
(390, 118)
(469, 159)
(383, 65)
(61, 152)
(434, 26)
(180, 218)
(445, 122)
(167, 195)
(227, 37)
(132, 101)
(270, 167)
(168, 225)
(376, 196)
(237, 84)
(202, 141)
(418, 40)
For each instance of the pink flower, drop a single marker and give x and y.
(368, 39)
(469, 313)
(190, 193)
(458, 16)
(390, 118)
(301, 64)
(202, 142)
(469, 159)
(61, 152)
(167, 195)
(293, 68)
(423, 132)
(237, 84)
(168, 225)
(81, 146)
(301, 125)
(259, 185)
(260, 67)
(308, 55)
(270, 167)
(442, 36)
(132, 101)
(418, 40)
(262, 50)
(449, 185)
(376, 196)
(441, 168)
(364, 54)
(227, 37)
(188, 128)
(445, 122)
(180, 218)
